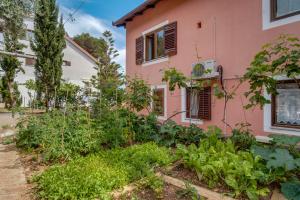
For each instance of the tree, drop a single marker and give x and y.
(12, 13)
(90, 44)
(108, 80)
(48, 45)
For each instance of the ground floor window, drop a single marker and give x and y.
(158, 105)
(286, 105)
(198, 103)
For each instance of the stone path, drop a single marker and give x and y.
(12, 177)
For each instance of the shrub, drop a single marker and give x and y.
(217, 163)
(59, 136)
(242, 137)
(96, 175)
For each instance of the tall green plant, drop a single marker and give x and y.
(108, 80)
(48, 45)
(12, 13)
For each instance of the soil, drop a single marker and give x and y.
(32, 165)
(170, 192)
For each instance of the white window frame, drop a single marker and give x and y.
(268, 116)
(164, 87)
(184, 119)
(158, 60)
(266, 15)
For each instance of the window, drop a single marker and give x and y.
(158, 106)
(284, 8)
(286, 105)
(198, 103)
(155, 45)
(66, 63)
(30, 61)
(157, 42)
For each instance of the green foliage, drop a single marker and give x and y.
(108, 80)
(11, 17)
(218, 163)
(291, 190)
(68, 93)
(58, 135)
(275, 59)
(189, 192)
(138, 94)
(48, 45)
(90, 44)
(153, 182)
(97, 175)
(242, 138)
(174, 78)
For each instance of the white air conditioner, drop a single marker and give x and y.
(205, 69)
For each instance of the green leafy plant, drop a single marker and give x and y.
(242, 137)
(291, 190)
(95, 176)
(217, 162)
(280, 58)
(189, 192)
(58, 135)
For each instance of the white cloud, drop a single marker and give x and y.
(85, 23)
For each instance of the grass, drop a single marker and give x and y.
(96, 176)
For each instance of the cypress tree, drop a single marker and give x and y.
(48, 45)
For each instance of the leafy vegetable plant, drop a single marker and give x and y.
(217, 163)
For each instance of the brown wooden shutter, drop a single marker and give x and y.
(205, 104)
(139, 50)
(171, 39)
(188, 102)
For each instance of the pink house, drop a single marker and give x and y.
(228, 33)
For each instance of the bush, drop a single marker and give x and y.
(218, 163)
(96, 175)
(242, 138)
(59, 136)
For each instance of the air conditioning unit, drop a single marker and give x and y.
(205, 69)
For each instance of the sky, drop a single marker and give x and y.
(96, 16)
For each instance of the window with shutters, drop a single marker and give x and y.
(157, 43)
(284, 8)
(198, 103)
(159, 102)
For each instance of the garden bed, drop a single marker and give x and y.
(170, 192)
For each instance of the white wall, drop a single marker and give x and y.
(82, 66)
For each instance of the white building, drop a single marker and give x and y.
(78, 64)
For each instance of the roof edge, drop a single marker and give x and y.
(135, 12)
(69, 39)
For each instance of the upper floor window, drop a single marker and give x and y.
(157, 43)
(286, 105)
(284, 8)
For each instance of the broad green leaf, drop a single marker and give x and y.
(261, 151)
(291, 190)
(285, 140)
(281, 158)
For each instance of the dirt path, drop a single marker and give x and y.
(12, 177)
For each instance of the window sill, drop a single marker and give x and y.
(156, 61)
(192, 121)
(162, 118)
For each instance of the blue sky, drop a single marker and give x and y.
(96, 16)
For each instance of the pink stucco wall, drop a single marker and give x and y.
(231, 34)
